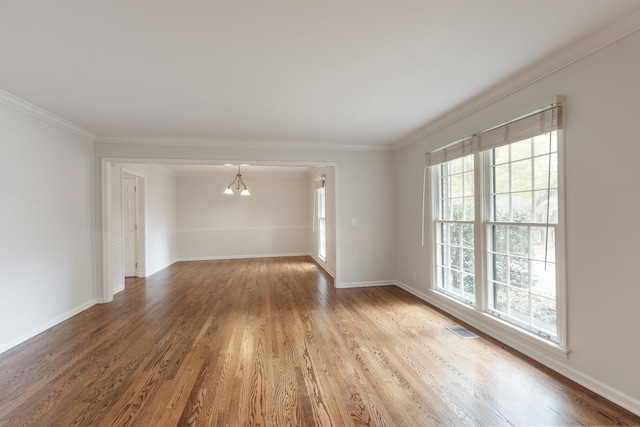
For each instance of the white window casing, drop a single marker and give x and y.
(520, 272)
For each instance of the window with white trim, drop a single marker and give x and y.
(454, 224)
(322, 222)
(497, 223)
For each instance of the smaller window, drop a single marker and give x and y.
(322, 223)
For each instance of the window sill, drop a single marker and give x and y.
(524, 341)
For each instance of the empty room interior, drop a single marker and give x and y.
(366, 213)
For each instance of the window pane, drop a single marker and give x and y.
(456, 186)
(501, 178)
(468, 162)
(553, 208)
(499, 238)
(455, 281)
(468, 261)
(522, 208)
(520, 150)
(544, 178)
(501, 155)
(544, 313)
(469, 286)
(541, 172)
(455, 257)
(519, 272)
(501, 207)
(445, 206)
(457, 208)
(500, 268)
(519, 240)
(538, 244)
(540, 206)
(468, 184)
(467, 235)
(469, 209)
(500, 297)
(541, 143)
(455, 166)
(519, 304)
(554, 170)
(454, 234)
(521, 175)
(544, 278)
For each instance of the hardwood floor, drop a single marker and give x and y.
(270, 342)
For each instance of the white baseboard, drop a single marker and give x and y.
(366, 284)
(553, 358)
(323, 264)
(35, 331)
(148, 272)
(213, 258)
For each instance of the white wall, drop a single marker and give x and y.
(274, 220)
(46, 243)
(602, 149)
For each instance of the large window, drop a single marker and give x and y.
(497, 218)
(455, 266)
(521, 231)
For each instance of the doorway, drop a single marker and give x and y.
(130, 224)
(114, 219)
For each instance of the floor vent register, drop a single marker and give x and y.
(462, 332)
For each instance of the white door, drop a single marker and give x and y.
(130, 225)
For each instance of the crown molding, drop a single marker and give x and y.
(244, 175)
(243, 144)
(547, 66)
(25, 107)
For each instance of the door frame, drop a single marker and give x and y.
(107, 201)
(111, 268)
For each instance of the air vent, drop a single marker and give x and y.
(461, 332)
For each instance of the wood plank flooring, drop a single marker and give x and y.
(271, 342)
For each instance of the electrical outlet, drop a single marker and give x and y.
(414, 276)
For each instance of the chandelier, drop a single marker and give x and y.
(238, 183)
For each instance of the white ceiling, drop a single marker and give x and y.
(351, 72)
